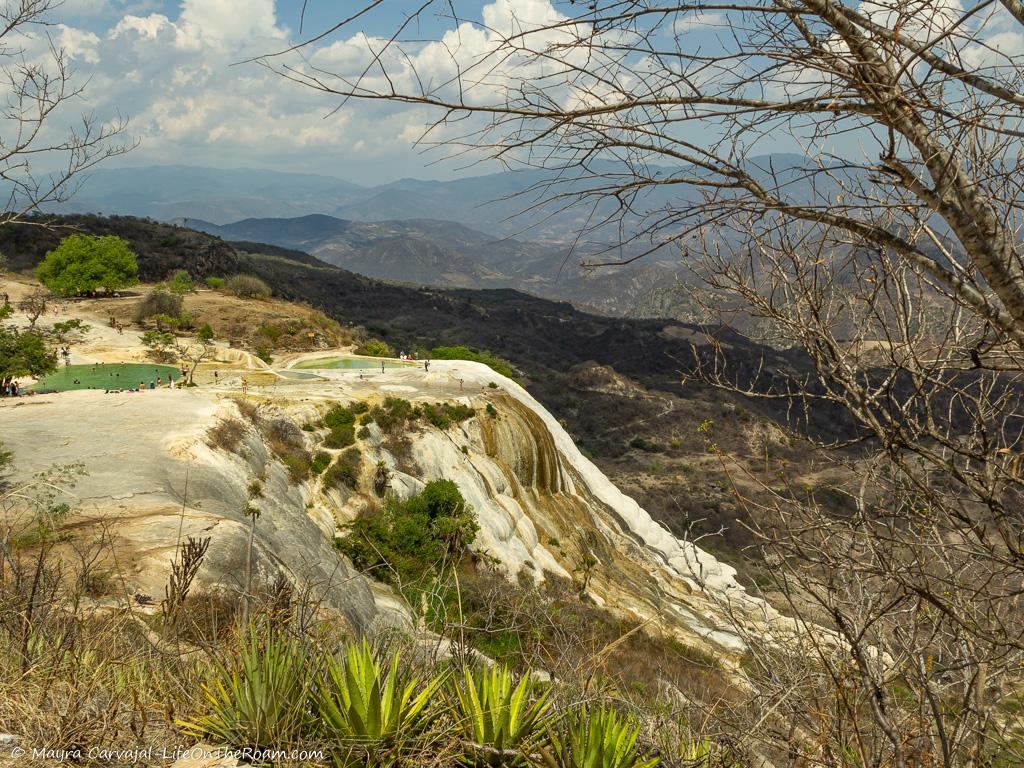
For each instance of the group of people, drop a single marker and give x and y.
(10, 389)
(115, 323)
(409, 358)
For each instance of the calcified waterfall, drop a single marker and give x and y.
(544, 509)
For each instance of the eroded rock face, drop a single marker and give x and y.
(545, 509)
(152, 479)
(156, 475)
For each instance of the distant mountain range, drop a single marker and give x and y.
(222, 196)
(451, 255)
(496, 231)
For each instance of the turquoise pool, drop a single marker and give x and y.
(349, 363)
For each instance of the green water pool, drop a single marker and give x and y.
(105, 376)
(300, 375)
(347, 363)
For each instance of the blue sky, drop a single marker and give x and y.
(172, 66)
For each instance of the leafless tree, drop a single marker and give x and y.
(37, 129)
(35, 304)
(191, 351)
(885, 248)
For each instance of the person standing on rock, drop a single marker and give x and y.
(426, 366)
(382, 366)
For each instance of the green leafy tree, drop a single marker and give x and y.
(159, 343)
(24, 353)
(205, 333)
(86, 263)
(374, 348)
(68, 331)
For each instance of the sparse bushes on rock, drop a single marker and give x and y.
(320, 462)
(443, 415)
(247, 287)
(227, 434)
(340, 437)
(215, 283)
(344, 473)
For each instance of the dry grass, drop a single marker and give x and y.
(227, 435)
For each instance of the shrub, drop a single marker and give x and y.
(339, 416)
(345, 471)
(263, 353)
(298, 465)
(409, 538)
(158, 302)
(181, 283)
(492, 411)
(643, 444)
(443, 415)
(497, 364)
(393, 415)
(363, 433)
(320, 462)
(216, 283)
(436, 416)
(374, 348)
(272, 332)
(341, 436)
(247, 287)
(226, 435)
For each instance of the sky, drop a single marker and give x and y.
(177, 69)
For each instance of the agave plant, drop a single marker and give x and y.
(259, 698)
(496, 719)
(595, 738)
(369, 712)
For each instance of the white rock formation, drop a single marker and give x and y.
(544, 509)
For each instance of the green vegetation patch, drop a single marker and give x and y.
(345, 471)
(105, 376)
(408, 539)
(497, 364)
(443, 415)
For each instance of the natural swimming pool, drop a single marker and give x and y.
(105, 376)
(349, 363)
